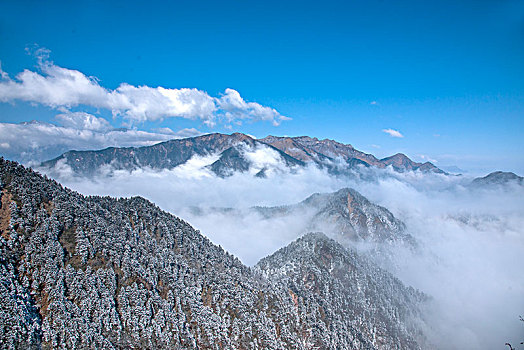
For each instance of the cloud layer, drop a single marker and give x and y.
(34, 141)
(471, 243)
(59, 87)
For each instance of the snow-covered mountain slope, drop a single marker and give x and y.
(99, 272)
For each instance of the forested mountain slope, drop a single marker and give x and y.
(98, 272)
(346, 215)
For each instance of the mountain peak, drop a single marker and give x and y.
(352, 216)
(400, 155)
(397, 157)
(240, 136)
(342, 193)
(498, 178)
(400, 162)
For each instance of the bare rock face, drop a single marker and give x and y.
(356, 218)
(99, 272)
(321, 152)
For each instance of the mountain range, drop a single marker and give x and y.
(102, 272)
(232, 154)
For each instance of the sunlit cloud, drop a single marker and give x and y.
(82, 121)
(60, 88)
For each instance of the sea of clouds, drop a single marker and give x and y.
(470, 240)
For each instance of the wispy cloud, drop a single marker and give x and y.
(37, 141)
(392, 133)
(182, 133)
(59, 87)
(426, 158)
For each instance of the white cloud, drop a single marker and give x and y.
(38, 141)
(392, 133)
(59, 87)
(182, 133)
(373, 103)
(426, 158)
(263, 158)
(3, 75)
(196, 167)
(145, 103)
(82, 120)
(235, 108)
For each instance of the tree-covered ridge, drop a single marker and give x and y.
(349, 292)
(98, 272)
(346, 215)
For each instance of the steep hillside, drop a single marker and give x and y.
(346, 215)
(321, 152)
(342, 291)
(99, 272)
(400, 162)
(329, 153)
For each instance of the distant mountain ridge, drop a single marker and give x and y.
(498, 178)
(231, 150)
(324, 151)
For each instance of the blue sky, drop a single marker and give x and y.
(447, 75)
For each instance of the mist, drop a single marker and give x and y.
(469, 259)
